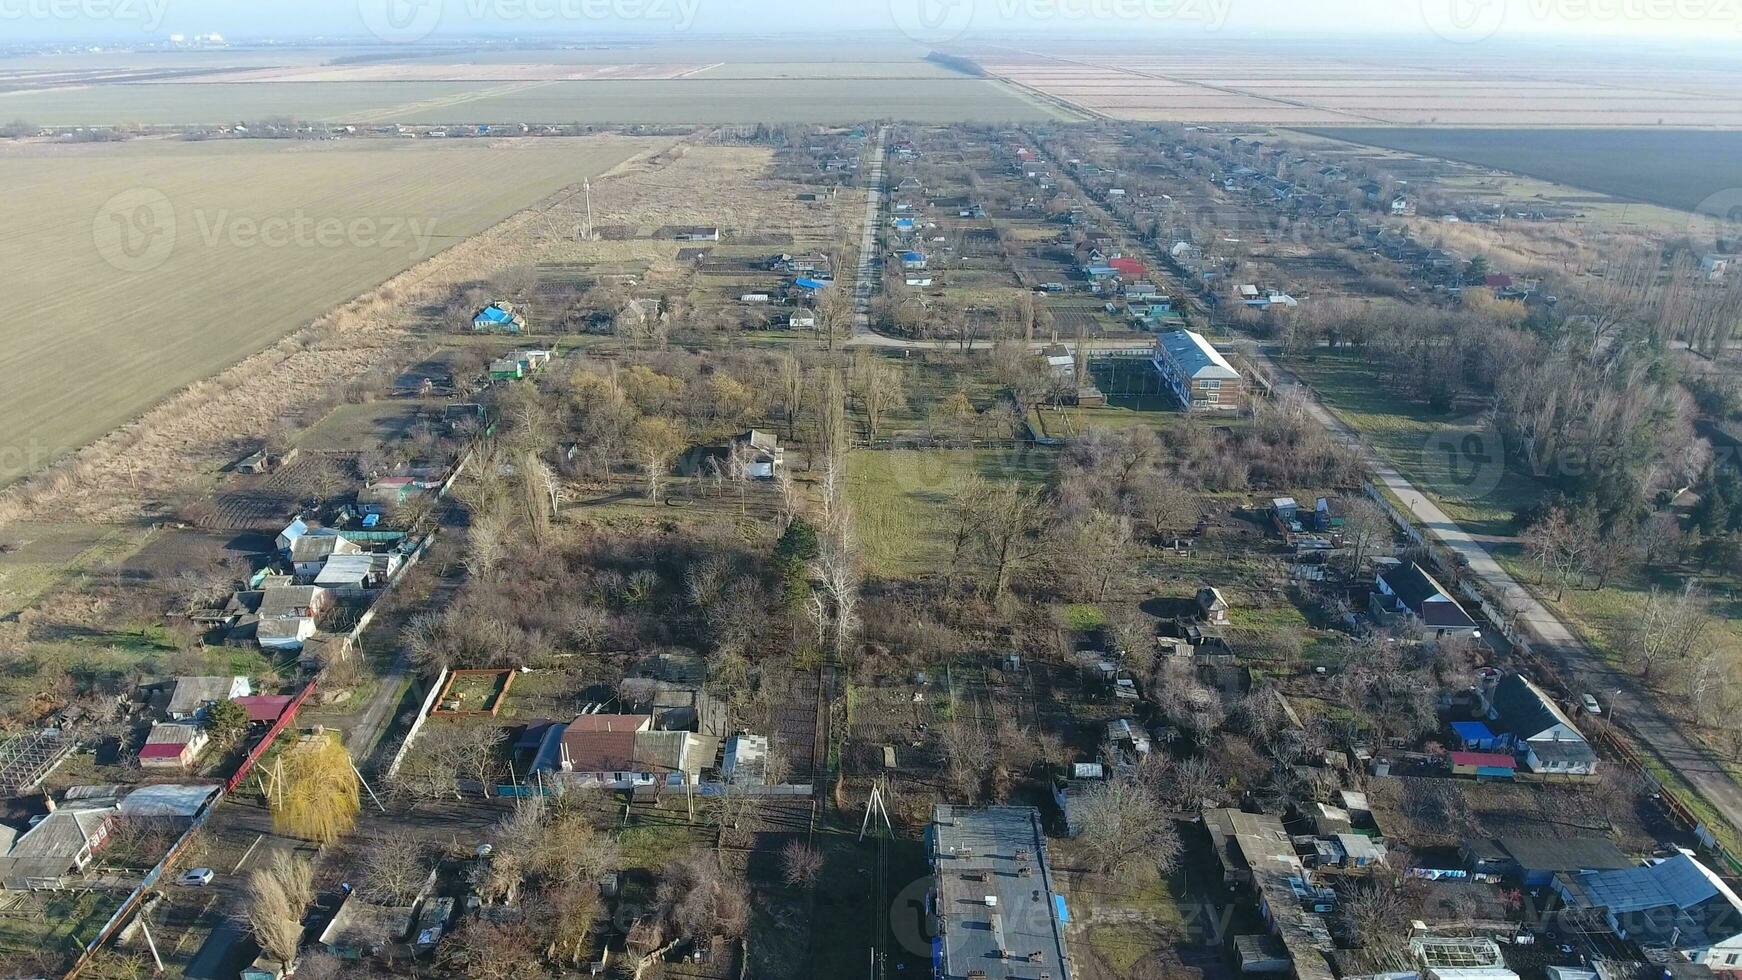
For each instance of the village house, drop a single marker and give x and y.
(287, 616)
(1407, 591)
(1541, 732)
(759, 453)
(1197, 374)
(625, 752)
(311, 550)
(1256, 853)
(1675, 903)
(192, 695)
(172, 746)
(499, 318)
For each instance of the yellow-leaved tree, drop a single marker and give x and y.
(314, 791)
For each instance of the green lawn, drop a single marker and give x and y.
(1449, 458)
(901, 499)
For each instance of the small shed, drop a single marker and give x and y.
(172, 746)
(1476, 736)
(1484, 765)
(1212, 605)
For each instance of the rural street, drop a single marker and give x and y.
(1548, 636)
(869, 273)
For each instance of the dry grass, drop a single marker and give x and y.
(178, 445)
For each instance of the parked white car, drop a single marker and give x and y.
(195, 877)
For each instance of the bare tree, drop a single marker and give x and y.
(800, 863)
(274, 914)
(1123, 825)
(394, 868)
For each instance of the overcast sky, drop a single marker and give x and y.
(926, 21)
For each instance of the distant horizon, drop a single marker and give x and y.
(1455, 24)
(134, 40)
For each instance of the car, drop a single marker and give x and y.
(1590, 703)
(195, 877)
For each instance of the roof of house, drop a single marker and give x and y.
(496, 313)
(319, 544)
(1472, 731)
(610, 723)
(1567, 751)
(172, 734)
(345, 570)
(287, 601)
(1196, 357)
(995, 894)
(167, 800)
(600, 751)
(1525, 708)
(1693, 906)
(163, 750)
(1490, 760)
(1212, 597)
(193, 692)
(1565, 853)
(62, 834)
(603, 743)
(264, 707)
(1425, 597)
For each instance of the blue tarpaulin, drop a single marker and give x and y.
(1058, 904)
(804, 282)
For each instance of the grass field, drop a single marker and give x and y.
(1674, 168)
(832, 98)
(901, 499)
(1409, 435)
(150, 265)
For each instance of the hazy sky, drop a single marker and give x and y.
(926, 21)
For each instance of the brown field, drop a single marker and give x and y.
(1315, 85)
(151, 265)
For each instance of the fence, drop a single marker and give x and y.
(435, 690)
(265, 743)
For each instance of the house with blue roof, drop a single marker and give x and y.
(812, 285)
(913, 260)
(498, 318)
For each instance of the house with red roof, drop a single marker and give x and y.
(172, 746)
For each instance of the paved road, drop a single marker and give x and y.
(868, 277)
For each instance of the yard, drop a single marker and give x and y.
(1450, 459)
(901, 499)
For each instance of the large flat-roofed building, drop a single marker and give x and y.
(998, 917)
(1197, 374)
